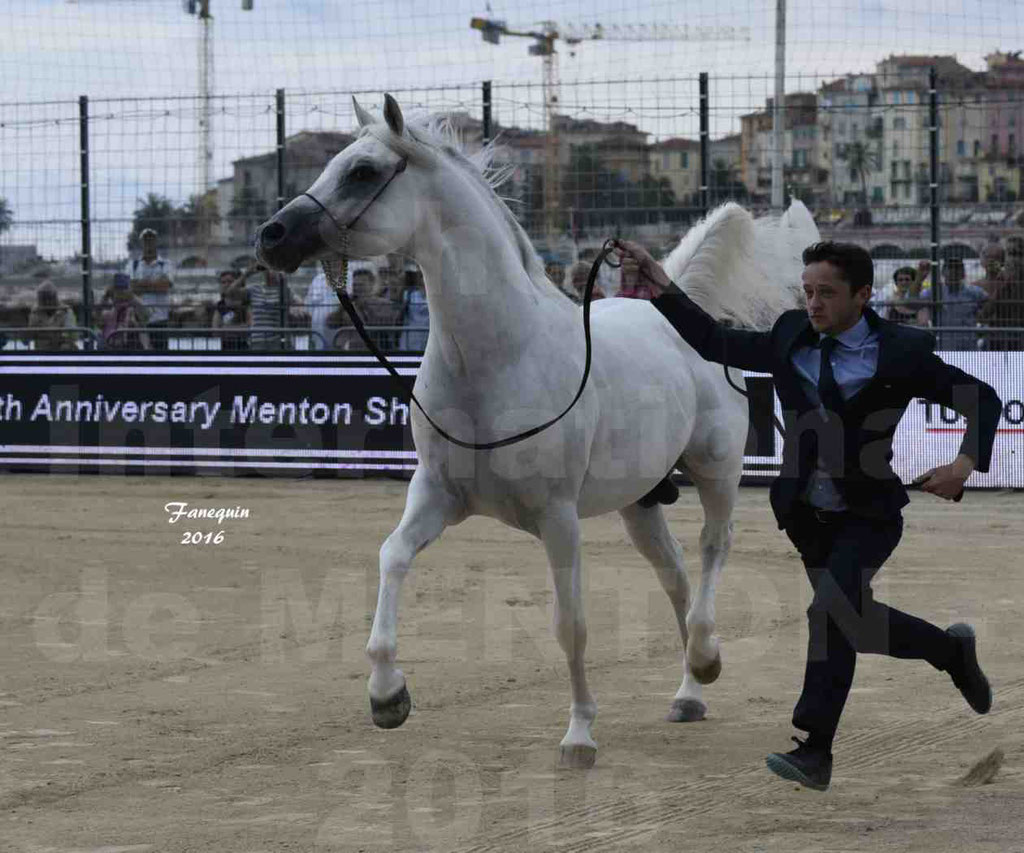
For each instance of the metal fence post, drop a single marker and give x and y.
(83, 147)
(703, 143)
(487, 110)
(933, 145)
(282, 310)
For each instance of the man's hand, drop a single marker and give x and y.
(650, 269)
(947, 481)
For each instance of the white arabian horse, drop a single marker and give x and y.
(506, 352)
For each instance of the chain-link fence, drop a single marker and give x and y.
(917, 161)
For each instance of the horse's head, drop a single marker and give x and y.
(362, 203)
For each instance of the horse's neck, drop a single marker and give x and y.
(482, 300)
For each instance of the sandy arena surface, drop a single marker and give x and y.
(156, 696)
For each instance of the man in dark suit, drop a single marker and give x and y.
(844, 377)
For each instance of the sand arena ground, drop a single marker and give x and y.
(159, 696)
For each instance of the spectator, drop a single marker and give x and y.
(415, 315)
(993, 257)
(265, 309)
(578, 275)
(902, 302)
(959, 305)
(631, 285)
(52, 319)
(1005, 308)
(152, 278)
(233, 312)
(320, 302)
(360, 284)
(123, 316)
(375, 309)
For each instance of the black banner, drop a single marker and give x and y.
(285, 414)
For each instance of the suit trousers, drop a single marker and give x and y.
(841, 553)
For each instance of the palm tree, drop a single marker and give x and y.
(6, 218)
(862, 159)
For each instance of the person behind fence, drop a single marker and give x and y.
(1004, 311)
(232, 313)
(578, 275)
(845, 376)
(959, 304)
(415, 315)
(265, 301)
(360, 285)
(50, 320)
(123, 316)
(152, 279)
(375, 309)
(320, 303)
(903, 299)
(993, 256)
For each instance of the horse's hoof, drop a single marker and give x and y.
(707, 674)
(687, 711)
(577, 756)
(391, 713)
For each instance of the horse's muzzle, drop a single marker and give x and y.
(291, 236)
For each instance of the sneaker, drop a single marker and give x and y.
(666, 492)
(811, 766)
(965, 671)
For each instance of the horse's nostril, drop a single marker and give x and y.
(272, 234)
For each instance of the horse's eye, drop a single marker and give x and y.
(361, 173)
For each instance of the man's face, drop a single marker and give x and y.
(831, 307)
(953, 273)
(226, 280)
(903, 281)
(362, 283)
(149, 246)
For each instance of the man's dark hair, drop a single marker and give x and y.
(851, 260)
(905, 271)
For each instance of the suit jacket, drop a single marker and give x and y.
(855, 445)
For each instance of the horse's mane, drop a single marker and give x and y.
(437, 133)
(743, 269)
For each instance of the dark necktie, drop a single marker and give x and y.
(828, 388)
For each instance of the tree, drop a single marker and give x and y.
(601, 198)
(198, 216)
(6, 215)
(248, 208)
(156, 212)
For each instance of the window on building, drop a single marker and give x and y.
(684, 159)
(899, 123)
(977, 147)
(1011, 145)
(911, 97)
(800, 159)
(1012, 120)
(894, 174)
(877, 195)
(995, 143)
(906, 191)
(897, 97)
(665, 164)
(906, 170)
(960, 148)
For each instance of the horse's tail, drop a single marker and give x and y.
(743, 269)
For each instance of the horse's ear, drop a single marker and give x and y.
(362, 116)
(393, 115)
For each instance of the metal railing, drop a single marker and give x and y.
(30, 338)
(206, 339)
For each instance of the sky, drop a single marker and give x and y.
(137, 61)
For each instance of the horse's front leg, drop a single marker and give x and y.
(560, 532)
(429, 508)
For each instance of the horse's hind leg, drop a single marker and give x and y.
(718, 497)
(429, 508)
(652, 538)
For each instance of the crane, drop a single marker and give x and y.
(544, 46)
